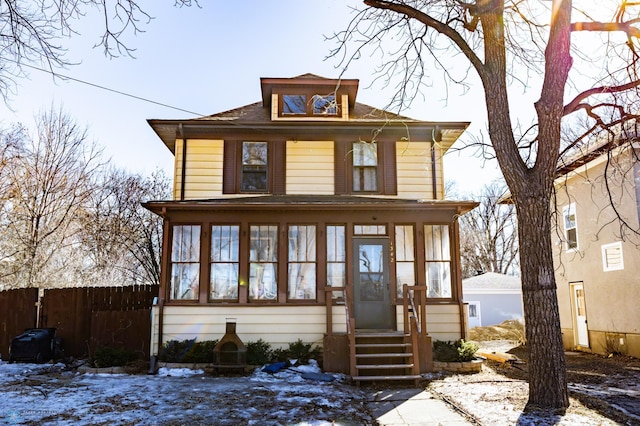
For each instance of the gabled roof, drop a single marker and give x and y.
(491, 282)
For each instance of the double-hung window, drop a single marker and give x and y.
(438, 261)
(302, 262)
(570, 226)
(365, 167)
(224, 262)
(185, 262)
(254, 167)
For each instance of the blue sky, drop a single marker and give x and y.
(208, 60)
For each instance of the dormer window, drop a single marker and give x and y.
(325, 105)
(294, 105)
(308, 104)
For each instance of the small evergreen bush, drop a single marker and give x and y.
(187, 351)
(458, 351)
(108, 356)
(300, 351)
(259, 352)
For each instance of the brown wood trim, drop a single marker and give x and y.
(230, 167)
(340, 167)
(278, 166)
(389, 168)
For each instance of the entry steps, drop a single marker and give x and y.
(383, 356)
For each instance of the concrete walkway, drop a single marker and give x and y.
(415, 407)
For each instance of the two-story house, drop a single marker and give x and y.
(597, 260)
(301, 216)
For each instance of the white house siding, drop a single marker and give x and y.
(279, 325)
(443, 321)
(415, 179)
(203, 177)
(310, 168)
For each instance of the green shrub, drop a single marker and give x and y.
(300, 351)
(259, 352)
(457, 351)
(187, 351)
(108, 356)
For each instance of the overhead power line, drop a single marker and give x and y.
(98, 86)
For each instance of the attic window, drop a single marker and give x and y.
(294, 105)
(324, 105)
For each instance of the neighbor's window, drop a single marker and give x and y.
(185, 262)
(224, 262)
(263, 262)
(612, 257)
(324, 105)
(302, 262)
(405, 257)
(254, 167)
(570, 226)
(365, 167)
(336, 272)
(438, 260)
(294, 104)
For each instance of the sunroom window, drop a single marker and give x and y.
(263, 262)
(185, 262)
(405, 257)
(336, 258)
(302, 262)
(224, 262)
(438, 261)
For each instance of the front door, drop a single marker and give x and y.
(580, 315)
(372, 297)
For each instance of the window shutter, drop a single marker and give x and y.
(340, 167)
(279, 167)
(230, 167)
(388, 164)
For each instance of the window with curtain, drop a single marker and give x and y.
(405, 257)
(263, 262)
(302, 262)
(224, 262)
(185, 262)
(365, 167)
(438, 261)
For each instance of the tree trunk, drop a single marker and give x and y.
(547, 370)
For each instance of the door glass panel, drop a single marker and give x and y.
(371, 272)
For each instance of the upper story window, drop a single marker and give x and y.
(254, 166)
(308, 104)
(570, 226)
(294, 104)
(365, 167)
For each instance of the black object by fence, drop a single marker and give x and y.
(84, 318)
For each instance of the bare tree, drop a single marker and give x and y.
(488, 234)
(31, 32)
(49, 184)
(504, 42)
(122, 240)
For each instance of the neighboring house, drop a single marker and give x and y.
(597, 261)
(281, 202)
(492, 298)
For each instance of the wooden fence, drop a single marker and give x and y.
(18, 311)
(87, 318)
